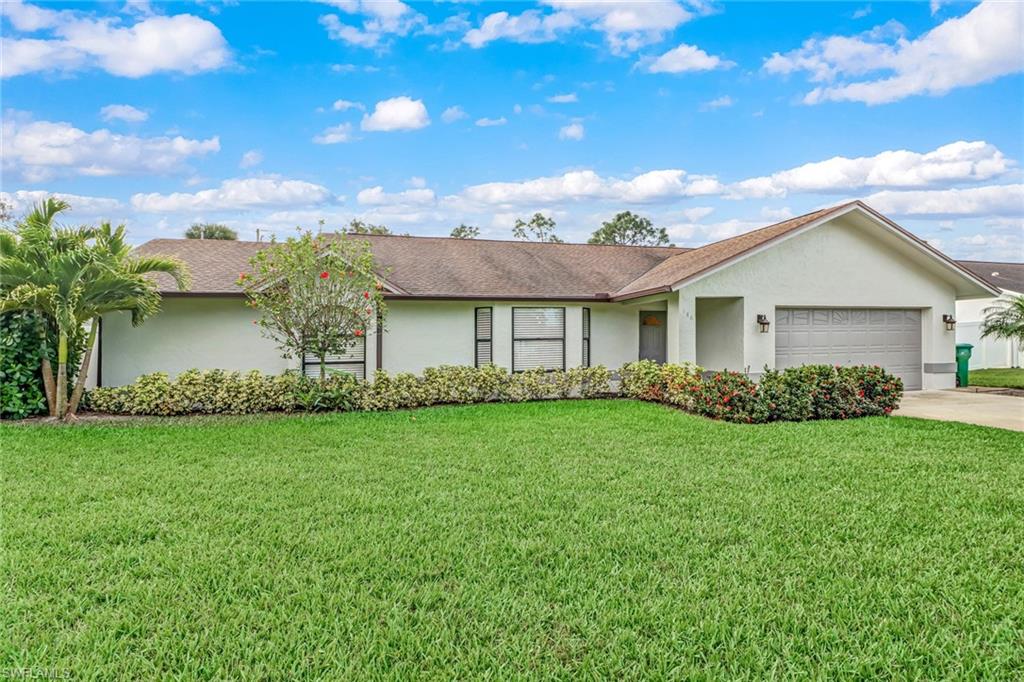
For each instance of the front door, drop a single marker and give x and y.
(652, 335)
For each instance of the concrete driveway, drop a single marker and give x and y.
(985, 409)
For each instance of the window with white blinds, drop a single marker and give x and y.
(483, 336)
(353, 360)
(586, 337)
(538, 338)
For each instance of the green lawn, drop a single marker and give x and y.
(540, 540)
(1001, 378)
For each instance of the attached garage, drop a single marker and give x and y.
(851, 336)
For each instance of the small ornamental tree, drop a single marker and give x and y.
(317, 295)
(464, 231)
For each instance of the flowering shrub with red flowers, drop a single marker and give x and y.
(877, 392)
(730, 396)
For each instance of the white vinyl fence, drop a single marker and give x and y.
(990, 352)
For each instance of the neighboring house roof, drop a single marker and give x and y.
(443, 267)
(1007, 276)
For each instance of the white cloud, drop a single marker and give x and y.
(992, 247)
(397, 113)
(956, 162)
(992, 200)
(345, 105)
(376, 196)
(697, 213)
(417, 182)
(717, 103)
(335, 134)
(253, 157)
(861, 12)
(38, 150)
(626, 24)
(452, 114)
(532, 26)
(491, 122)
(123, 112)
(567, 98)
(653, 186)
(181, 43)
(236, 194)
(782, 213)
(380, 18)
(684, 59)
(573, 131)
(883, 66)
(22, 201)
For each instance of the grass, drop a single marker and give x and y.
(544, 540)
(1000, 378)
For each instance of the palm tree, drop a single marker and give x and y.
(1005, 320)
(73, 276)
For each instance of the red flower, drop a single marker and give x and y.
(324, 274)
(366, 294)
(359, 332)
(241, 275)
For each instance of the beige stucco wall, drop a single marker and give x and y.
(839, 264)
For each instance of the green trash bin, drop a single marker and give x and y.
(963, 358)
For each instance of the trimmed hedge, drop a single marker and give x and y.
(797, 394)
(221, 392)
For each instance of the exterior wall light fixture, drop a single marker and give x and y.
(949, 321)
(763, 323)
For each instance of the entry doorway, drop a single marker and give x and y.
(653, 338)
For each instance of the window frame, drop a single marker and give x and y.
(585, 331)
(338, 364)
(546, 338)
(478, 339)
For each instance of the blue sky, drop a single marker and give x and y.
(711, 118)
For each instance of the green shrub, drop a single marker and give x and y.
(878, 391)
(783, 396)
(670, 383)
(730, 396)
(21, 361)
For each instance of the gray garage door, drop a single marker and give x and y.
(851, 336)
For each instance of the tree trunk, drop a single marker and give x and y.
(83, 371)
(47, 368)
(62, 375)
(48, 385)
(323, 366)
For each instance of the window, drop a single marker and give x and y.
(353, 360)
(483, 336)
(538, 338)
(586, 337)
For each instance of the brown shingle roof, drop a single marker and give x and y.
(683, 266)
(443, 267)
(1003, 275)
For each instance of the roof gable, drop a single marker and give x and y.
(691, 265)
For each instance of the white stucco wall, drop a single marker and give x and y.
(423, 334)
(839, 264)
(218, 333)
(204, 333)
(719, 345)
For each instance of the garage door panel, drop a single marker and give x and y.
(851, 336)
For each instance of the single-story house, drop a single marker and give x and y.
(840, 285)
(989, 352)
